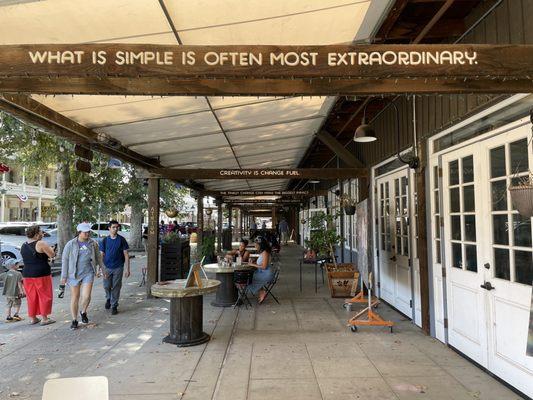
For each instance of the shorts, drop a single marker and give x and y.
(84, 280)
(13, 301)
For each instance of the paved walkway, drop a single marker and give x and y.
(300, 349)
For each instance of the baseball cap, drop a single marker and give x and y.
(10, 262)
(83, 227)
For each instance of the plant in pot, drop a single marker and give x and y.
(522, 195)
(207, 249)
(348, 203)
(323, 235)
(323, 239)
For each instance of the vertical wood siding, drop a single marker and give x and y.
(508, 23)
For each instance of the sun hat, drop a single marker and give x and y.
(83, 227)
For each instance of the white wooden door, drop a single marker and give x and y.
(489, 255)
(509, 258)
(394, 238)
(465, 272)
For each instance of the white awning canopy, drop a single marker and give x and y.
(201, 132)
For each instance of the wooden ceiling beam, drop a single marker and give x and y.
(230, 174)
(390, 21)
(338, 149)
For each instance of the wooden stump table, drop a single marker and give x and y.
(227, 293)
(186, 310)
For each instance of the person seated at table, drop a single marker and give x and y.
(240, 252)
(264, 273)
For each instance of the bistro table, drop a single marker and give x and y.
(227, 293)
(186, 310)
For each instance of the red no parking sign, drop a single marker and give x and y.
(4, 168)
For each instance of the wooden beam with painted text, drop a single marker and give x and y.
(308, 173)
(265, 61)
(138, 69)
(243, 193)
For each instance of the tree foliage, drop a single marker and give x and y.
(97, 195)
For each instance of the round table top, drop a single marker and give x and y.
(225, 270)
(177, 288)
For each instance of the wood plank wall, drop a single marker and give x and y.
(508, 23)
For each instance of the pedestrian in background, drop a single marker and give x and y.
(81, 262)
(37, 276)
(284, 230)
(13, 289)
(114, 250)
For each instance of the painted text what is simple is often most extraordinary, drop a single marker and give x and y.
(250, 59)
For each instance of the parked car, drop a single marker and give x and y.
(8, 251)
(15, 235)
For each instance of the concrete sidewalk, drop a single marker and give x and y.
(300, 349)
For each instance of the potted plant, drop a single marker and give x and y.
(348, 203)
(323, 239)
(171, 213)
(522, 196)
(323, 235)
(207, 249)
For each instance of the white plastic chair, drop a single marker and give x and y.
(80, 388)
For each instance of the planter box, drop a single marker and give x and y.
(175, 260)
(342, 279)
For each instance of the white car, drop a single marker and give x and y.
(8, 251)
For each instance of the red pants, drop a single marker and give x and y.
(39, 294)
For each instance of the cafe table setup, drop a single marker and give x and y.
(226, 295)
(186, 309)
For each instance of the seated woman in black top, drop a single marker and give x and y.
(240, 252)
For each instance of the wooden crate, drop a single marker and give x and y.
(342, 279)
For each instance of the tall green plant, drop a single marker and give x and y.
(207, 248)
(323, 235)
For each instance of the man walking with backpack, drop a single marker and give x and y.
(114, 249)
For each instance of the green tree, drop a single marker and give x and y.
(81, 196)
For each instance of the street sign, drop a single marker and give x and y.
(4, 168)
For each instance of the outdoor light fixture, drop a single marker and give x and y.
(365, 134)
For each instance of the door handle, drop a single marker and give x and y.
(487, 265)
(393, 258)
(487, 286)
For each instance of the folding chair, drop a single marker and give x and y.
(241, 279)
(270, 285)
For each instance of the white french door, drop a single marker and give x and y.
(394, 239)
(489, 255)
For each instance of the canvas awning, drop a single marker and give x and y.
(197, 132)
